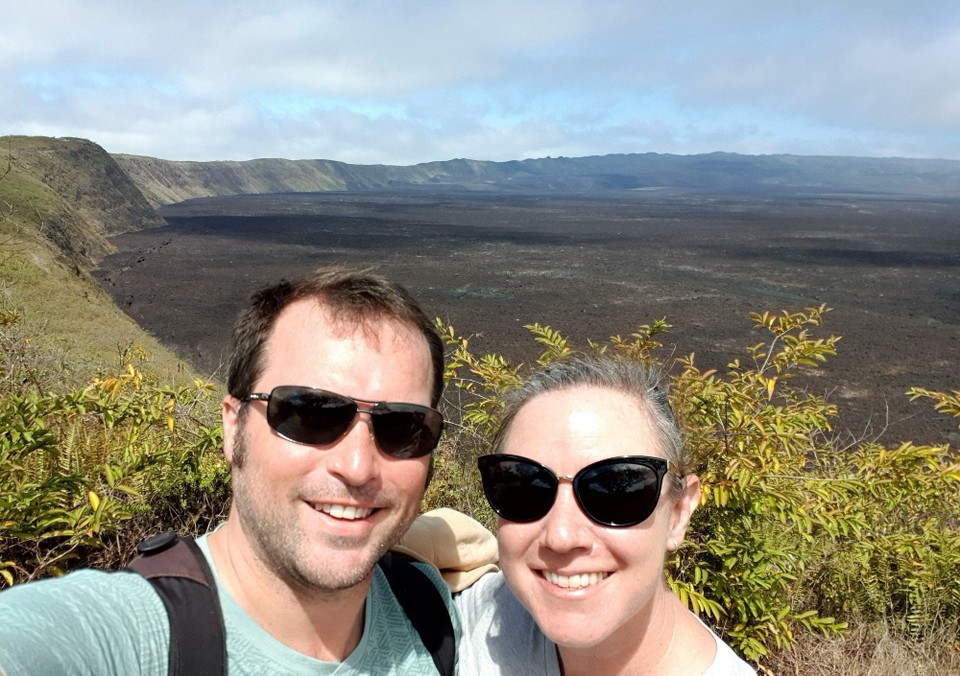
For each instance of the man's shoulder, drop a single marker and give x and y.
(429, 574)
(86, 620)
(389, 635)
(89, 584)
(434, 576)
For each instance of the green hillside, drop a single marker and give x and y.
(60, 200)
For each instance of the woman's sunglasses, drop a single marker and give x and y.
(616, 492)
(318, 418)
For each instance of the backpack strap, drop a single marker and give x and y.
(424, 606)
(181, 576)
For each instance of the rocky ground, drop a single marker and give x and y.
(592, 267)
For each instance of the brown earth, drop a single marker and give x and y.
(591, 267)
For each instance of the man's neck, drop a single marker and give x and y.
(325, 625)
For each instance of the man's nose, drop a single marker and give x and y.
(355, 457)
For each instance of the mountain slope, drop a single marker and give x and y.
(72, 193)
(60, 200)
(165, 182)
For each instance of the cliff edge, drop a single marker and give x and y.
(72, 193)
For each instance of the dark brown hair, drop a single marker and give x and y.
(351, 296)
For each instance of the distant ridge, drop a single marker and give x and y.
(168, 181)
(79, 196)
(71, 193)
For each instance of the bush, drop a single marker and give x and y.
(87, 472)
(796, 531)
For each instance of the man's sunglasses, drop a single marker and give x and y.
(318, 418)
(616, 492)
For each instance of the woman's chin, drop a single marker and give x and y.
(574, 633)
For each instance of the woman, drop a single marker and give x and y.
(593, 489)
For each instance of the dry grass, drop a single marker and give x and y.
(71, 322)
(869, 650)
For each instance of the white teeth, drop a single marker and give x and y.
(345, 511)
(574, 581)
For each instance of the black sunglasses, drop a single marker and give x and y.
(616, 492)
(317, 418)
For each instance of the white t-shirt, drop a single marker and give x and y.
(500, 636)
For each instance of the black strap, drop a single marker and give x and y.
(181, 576)
(424, 607)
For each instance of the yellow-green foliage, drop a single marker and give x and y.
(795, 530)
(100, 464)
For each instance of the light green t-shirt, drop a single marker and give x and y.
(98, 623)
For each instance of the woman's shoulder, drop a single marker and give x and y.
(488, 605)
(726, 662)
(499, 635)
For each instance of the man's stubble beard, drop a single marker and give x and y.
(281, 546)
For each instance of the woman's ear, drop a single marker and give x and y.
(683, 509)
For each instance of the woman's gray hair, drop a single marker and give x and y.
(637, 382)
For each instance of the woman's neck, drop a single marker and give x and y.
(667, 640)
(637, 647)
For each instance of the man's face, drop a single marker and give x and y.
(320, 516)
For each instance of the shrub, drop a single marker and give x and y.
(87, 471)
(795, 531)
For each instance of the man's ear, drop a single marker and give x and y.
(683, 509)
(230, 412)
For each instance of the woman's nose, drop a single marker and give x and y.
(566, 527)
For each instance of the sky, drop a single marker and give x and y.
(403, 82)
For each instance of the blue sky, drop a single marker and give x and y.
(381, 82)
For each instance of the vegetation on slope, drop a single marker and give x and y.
(71, 192)
(66, 352)
(59, 201)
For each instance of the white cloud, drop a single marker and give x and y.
(401, 81)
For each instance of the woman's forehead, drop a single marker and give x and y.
(582, 399)
(588, 421)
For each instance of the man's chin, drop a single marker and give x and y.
(338, 570)
(340, 561)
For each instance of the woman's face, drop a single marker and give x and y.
(584, 583)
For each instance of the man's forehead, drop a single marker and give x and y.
(316, 319)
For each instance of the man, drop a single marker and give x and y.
(326, 478)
